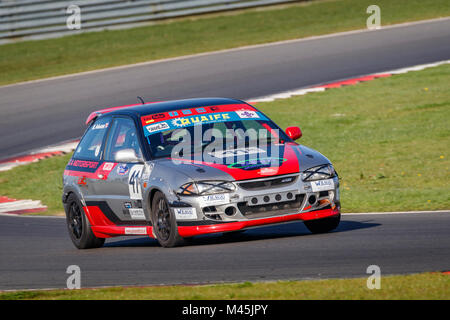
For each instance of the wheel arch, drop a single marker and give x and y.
(68, 190)
(150, 197)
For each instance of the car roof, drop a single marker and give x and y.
(164, 106)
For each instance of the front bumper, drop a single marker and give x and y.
(191, 229)
(280, 208)
(260, 202)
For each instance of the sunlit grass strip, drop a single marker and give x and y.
(425, 286)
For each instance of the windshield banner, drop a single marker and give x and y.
(182, 122)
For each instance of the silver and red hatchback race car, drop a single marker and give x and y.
(176, 169)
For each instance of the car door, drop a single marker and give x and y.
(121, 190)
(86, 161)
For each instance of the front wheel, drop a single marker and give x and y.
(78, 225)
(164, 223)
(323, 225)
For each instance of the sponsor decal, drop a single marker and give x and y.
(238, 152)
(269, 171)
(122, 169)
(108, 166)
(83, 164)
(185, 213)
(247, 114)
(160, 126)
(127, 205)
(158, 116)
(214, 199)
(137, 214)
(191, 120)
(200, 110)
(253, 164)
(173, 114)
(152, 118)
(136, 230)
(207, 118)
(134, 185)
(322, 185)
(100, 126)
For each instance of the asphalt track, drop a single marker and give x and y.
(42, 113)
(35, 253)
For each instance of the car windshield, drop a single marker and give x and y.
(220, 132)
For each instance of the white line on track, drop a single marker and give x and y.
(38, 154)
(323, 87)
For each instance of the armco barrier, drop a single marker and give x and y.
(35, 19)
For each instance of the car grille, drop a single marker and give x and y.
(268, 183)
(272, 209)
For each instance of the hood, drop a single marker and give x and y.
(232, 165)
(195, 170)
(309, 158)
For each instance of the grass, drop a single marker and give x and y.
(426, 286)
(388, 139)
(44, 58)
(38, 181)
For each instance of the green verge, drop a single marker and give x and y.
(425, 286)
(45, 58)
(388, 139)
(38, 181)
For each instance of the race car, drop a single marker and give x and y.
(177, 169)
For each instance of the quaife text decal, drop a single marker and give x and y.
(187, 121)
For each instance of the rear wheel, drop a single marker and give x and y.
(164, 223)
(323, 225)
(78, 225)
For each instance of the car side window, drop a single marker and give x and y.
(90, 146)
(123, 135)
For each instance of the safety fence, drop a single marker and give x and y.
(34, 19)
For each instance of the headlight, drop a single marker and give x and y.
(325, 171)
(206, 187)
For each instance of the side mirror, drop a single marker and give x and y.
(127, 155)
(294, 132)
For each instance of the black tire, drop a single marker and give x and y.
(323, 225)
(164, 223)
(78, 225)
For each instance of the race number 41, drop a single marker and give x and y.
(134, 185)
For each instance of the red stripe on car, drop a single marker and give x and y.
(190, 231)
